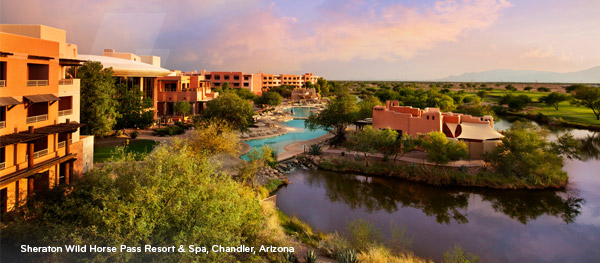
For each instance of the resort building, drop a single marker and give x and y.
(236, 80)
(192, 88)
(477, 132)
(40, 145)
(255, 82)
(140, 72)
(305, 95)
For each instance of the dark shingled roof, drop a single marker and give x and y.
(41, 132)
(41, 98)
(8, 101)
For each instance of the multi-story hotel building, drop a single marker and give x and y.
(255, 82)
(192, 88)
(135, 71)
(40, 145)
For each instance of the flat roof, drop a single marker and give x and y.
(129, 68)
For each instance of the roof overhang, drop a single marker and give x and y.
(41, 98)
(9, 101)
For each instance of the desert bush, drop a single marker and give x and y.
(315, 149)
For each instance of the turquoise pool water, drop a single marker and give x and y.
(300, 134)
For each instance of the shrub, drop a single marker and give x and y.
(543, 89)
(441, 150)
(528, 88)
(315, 149)
(289, 257)
(458, 255)
(333, 244)
(310, 257)
(134, 134)
(347, 256)
(169, 131)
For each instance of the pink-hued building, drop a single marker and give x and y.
(238, 80)
(189, 88)
(477, 132)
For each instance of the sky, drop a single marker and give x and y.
(352, 39)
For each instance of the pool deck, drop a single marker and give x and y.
(295, 148)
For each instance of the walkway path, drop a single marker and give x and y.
(298, 147)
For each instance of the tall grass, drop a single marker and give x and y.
(431, 174)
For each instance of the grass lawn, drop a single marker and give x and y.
(577, 114)
(103, 154)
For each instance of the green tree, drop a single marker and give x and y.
(182, 108)
(134, 110)
(365, 107)
(483, 93)
(269, 98)
(525, 153)
(441, 150)
(257, 159)
(231, 108)
(588, 97)
(554, 98)
(515, 103)
(510, 87)
(323, 86)
(335, 118)
(98, 109)
(171, 198)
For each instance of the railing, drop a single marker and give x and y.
(65, 112)
(34, 83)
(63, 143)
(2, 124)
(38, 118)
(40, 153)
(65, 82)
(2, 166)
(2, 83)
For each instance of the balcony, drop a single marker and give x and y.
(2, 124)
(40, 153)
(65, 82)
(2, 83)
(37, 118)
(65, 112)
(2, 165)
(36, 83)
(63, 143)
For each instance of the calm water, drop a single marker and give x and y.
(299, 134)
(499, 226)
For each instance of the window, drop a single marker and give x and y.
(217, 77)
(246, 84)
(2, 74)
(235, 84)
(433, 117)
(171, 86)
(2, 117)
(37, 112)
(3, 201)
(208, 77)
(226, 77)
(149, 87)
(427, 117)
(2, 158)
(236, 77)
(37, 74)
(62, 139)
(65, 106)
(246, 78)
(217, 84)
(40, 147)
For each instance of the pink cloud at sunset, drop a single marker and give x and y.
(340, 39)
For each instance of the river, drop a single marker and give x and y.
(496, 225)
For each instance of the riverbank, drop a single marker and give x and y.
(431, 174)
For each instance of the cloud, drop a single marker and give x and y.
(549, 53)
(257, 35)
(360, 30)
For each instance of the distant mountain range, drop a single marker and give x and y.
(591, 75)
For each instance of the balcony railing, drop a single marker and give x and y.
(65, 82)
(65, 112)
(2, 124)
(2, 83)
(34, 83)
(2, 165)
(38, 118)
(63, 143)
(40, 153)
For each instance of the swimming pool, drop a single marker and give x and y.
(298, 134)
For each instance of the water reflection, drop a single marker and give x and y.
(590, 149)
(373, 194)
